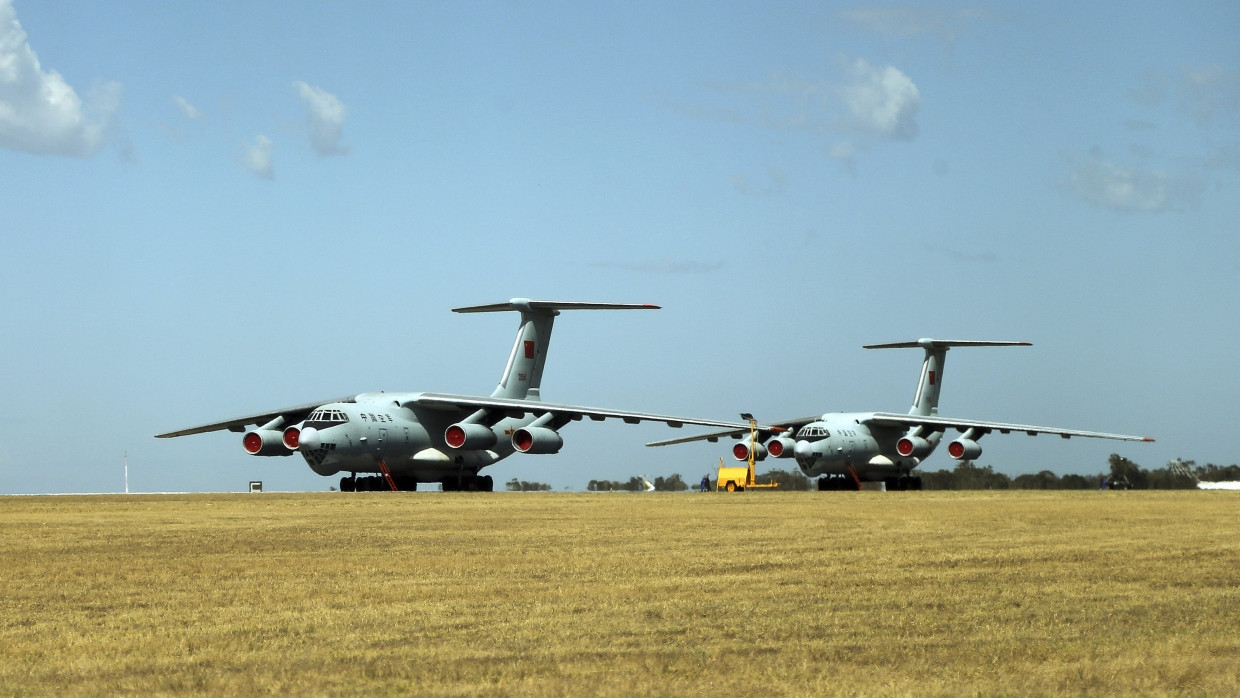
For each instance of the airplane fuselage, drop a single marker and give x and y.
(844, 444)
(355, 437)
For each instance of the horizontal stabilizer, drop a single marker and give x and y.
(527, 305)
(935, 343)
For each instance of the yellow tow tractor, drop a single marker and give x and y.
(738, 478)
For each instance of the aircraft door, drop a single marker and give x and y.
(382, 441)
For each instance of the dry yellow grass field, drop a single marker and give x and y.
(922, 593)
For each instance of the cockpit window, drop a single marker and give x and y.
(323, 418)
(813, 432)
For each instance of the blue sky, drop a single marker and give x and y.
(213, 209)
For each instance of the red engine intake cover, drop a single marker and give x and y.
(253, 443)
(455, 436)
(904, 446)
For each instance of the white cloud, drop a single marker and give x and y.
(1211, 95)
(846, 153)
(852, 109)
(188, 110)
(39, 112)
(258, 157)
(1130, 189)
(881, 101)
(940, 23)
(326, 116)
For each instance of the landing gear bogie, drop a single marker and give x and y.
(469, 483)
(376, 483)
(837, 483)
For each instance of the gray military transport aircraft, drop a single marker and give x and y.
(411, 438)
(846, 449)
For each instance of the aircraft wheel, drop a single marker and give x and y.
(731, 487)
(488, 483)
(347, 484)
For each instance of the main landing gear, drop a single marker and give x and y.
(903, 482)
(838, 483)
(848, 484)
(469, 483)
(376, 483)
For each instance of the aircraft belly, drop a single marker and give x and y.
(857, 453)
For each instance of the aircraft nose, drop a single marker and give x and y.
(309, 439)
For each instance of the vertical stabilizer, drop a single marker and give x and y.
(523, 374)
(926, 401)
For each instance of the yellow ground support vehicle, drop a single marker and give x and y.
(738, 478)
(741, 478)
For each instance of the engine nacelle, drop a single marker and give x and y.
(265, 442)
(537, 440)
(964, 449)
(470, 436)
(914, 447)
(781, 447)
(740, 451)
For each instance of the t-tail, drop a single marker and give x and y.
(523, 374)
(926, 401)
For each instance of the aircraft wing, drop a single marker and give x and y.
(291, 415)
(764, 430)
(569, 412)
(941, 423)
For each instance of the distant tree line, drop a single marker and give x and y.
(1122, 474)
(638, 484)
(515, 485)
(788, 479)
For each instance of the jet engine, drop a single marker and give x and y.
(469, 436)
(537, 440)
(780, 447)
(265, 442)
(964, 449)
(914, 447)
(292, 437)
(740, 451)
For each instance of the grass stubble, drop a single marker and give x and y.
(923, 593)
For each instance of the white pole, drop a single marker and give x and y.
(126, 472)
